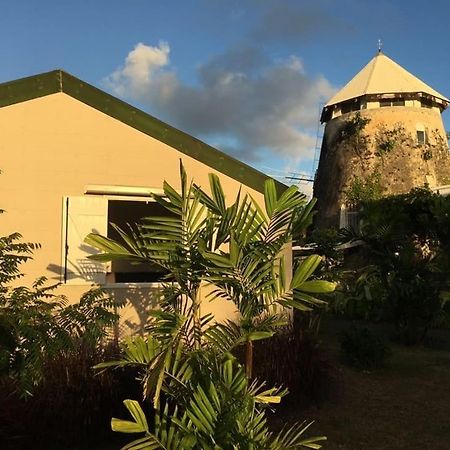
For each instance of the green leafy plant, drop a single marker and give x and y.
(406, 254)
(35, 323)
(239, 250)
(219, 410)
(352, 133)
(365, 189)
(354, 126)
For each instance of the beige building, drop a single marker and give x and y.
(74, 159)
(384, 127)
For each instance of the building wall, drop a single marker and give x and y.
(387, 145)
(55, 146)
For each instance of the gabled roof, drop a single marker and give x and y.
(382, 75)
(36, 86)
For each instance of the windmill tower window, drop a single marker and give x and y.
(421, 133)
(350, 106)
(387, 102)
(426, 103)
(422, 138)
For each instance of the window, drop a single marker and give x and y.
(352, 105)
(388, 102)
(349, 218)
(421, 137)
(426, 103)
(124, 213)
(87, 214)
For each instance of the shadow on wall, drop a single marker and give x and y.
(135, 300)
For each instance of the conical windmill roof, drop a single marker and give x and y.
(383, 76)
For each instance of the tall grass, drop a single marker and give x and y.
(295, 360)
(70, 409)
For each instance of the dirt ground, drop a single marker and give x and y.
(405, 405)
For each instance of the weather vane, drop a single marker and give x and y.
(380, 44)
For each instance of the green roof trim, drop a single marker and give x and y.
(59, 81)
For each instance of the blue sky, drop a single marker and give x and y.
(246, 76)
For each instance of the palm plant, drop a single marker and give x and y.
(239, 250)
(219, 410)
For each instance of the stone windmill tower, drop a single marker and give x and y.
(384, 134)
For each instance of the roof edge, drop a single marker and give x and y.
(29, 88)
(56, 81)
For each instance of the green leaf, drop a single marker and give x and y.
(270, 196)
(145, 443)
(126, 426)
(258, 335)
(317, 286)
(305, 269)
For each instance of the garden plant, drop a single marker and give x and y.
(203, 398)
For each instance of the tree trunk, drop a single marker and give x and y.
(249, 359)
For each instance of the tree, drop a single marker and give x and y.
(35, 323)
(239, 250)
(406, 249)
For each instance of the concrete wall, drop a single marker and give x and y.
(55, 146)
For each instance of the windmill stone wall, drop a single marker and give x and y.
(395, 148)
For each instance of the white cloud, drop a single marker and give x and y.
(244, 99)
(141, 67)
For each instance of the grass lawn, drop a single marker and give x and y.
(405, 405)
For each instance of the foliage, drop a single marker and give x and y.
(387, 139)
(361, 294)
(239, 250)
(427, 154)
(352, 134)
(302, 367)
(35, 323)
(185, 361)
(70, 408)
(218, 409)
(360, 348)
(407, 256)
(364, 189)
(354, 126)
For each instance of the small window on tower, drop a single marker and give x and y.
(387, 102)
(426, 103)
(398, 102)
(421, 137)
(350, 106)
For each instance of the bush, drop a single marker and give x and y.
(70, 408)
(362, 349)
(36, 324)
(295, 360)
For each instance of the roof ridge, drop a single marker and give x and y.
(369, 78)
(60, 81)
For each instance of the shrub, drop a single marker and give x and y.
(36, 324)
(296, 361)
(202, 396)
(361, 349)
(70, 408)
